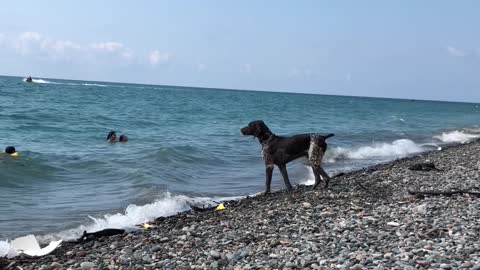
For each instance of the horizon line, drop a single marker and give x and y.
(248, 90)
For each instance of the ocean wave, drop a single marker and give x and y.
(94, 84)
(459, 136)
(395, 149)
(134, 214)
(6, 250)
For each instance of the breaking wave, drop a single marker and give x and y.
(400, 148)
(459, 136)
(395, 149)
(134, 214)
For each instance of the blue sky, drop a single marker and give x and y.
(407, 49)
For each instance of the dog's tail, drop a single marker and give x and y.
(328, 136)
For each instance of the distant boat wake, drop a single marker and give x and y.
(50, 82)
(38, 81)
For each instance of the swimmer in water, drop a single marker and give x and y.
(112, 137)
(123, 138)
(11, 151)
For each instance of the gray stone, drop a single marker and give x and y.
(81, 253)
(214, 265)
(87, 265)
(156, 248)
(357, 267)
(147, 259)
(215, 254)
(55, 265)
(230, 256)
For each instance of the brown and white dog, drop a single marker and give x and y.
(277, 150)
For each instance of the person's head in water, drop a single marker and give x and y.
(123, 138)
(10, 150)
(111, 137)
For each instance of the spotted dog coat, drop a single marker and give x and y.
(277, 150)
(315, 152)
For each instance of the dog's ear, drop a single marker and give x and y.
(260, 127)
(257, 127)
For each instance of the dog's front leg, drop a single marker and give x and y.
(268, 177)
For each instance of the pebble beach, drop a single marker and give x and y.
(367, 219)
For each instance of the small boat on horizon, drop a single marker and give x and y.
(29, 79)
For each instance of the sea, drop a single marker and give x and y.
(184, 147)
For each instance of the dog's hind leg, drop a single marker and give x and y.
(324, 176)
(315, 155)
(318, 179)
(283, 170)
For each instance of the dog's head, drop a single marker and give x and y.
(255, 128)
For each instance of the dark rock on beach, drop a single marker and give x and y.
(366, 220)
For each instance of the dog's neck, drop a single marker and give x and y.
(265, 136)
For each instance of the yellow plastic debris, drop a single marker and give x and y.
(145, 225)
(220, 207)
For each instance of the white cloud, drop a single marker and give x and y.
(247, 68)
(28, 42)
(456, 52)
(348, 77)
(201, 67)
(127, 54)
(156, 57)
(308, 72)
(296, 72)
(109, 46)
(39, 46)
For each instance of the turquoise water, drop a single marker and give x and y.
(184, 145)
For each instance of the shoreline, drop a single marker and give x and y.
(366, 219)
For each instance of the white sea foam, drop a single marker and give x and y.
(134, 214)
(395, 149)
(457, 136)
(40, 81)
(388, 151)
(310, 180)
(6, 250)
(94, 84)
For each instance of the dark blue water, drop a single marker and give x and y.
(184, 144)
